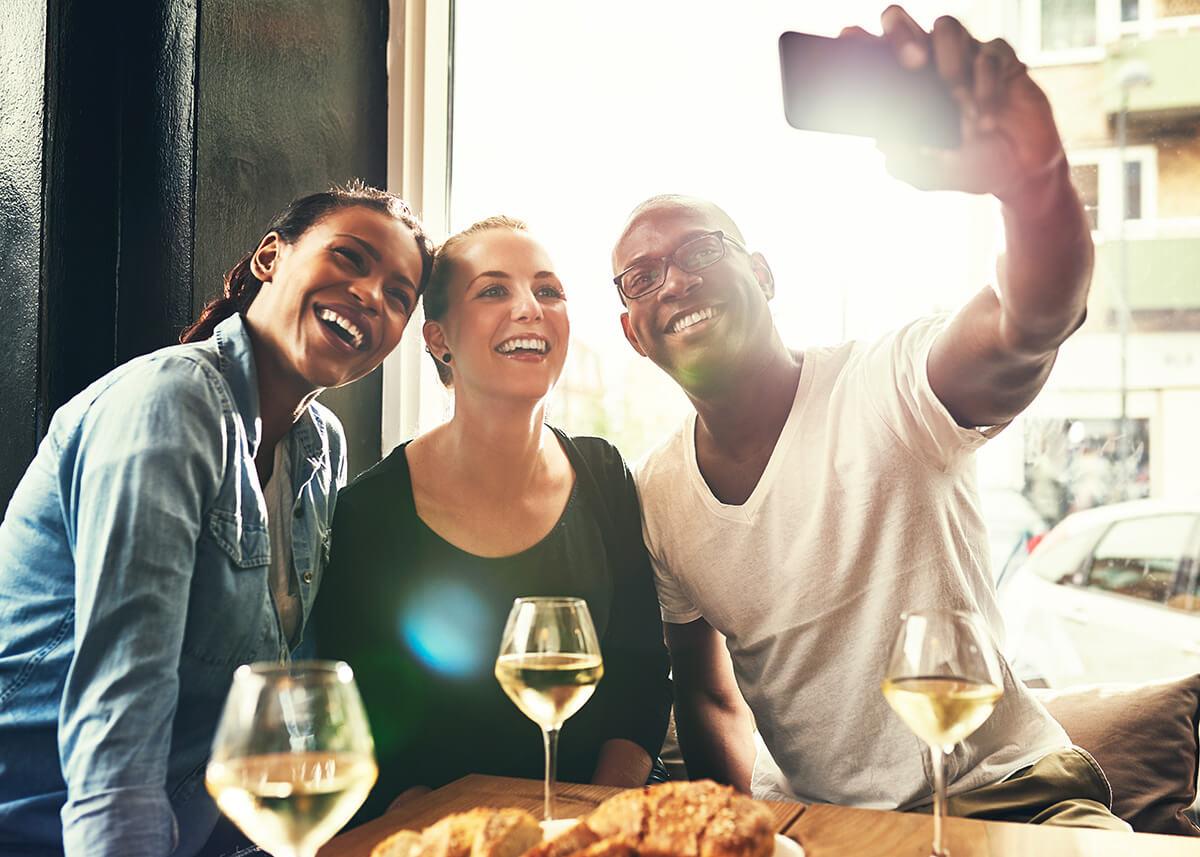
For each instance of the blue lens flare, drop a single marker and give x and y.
(444, 625)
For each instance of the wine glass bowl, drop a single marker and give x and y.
(944, 680)
(549, 665)
(293, 758)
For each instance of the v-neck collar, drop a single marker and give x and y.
(746, 511)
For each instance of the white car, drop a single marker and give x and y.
(1110, 594)
(1014, 526)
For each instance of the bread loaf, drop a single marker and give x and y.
(481, 832)
(507, 833)
(687, 819)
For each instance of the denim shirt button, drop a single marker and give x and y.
(308, 576)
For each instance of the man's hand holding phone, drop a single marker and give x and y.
(1010, 144)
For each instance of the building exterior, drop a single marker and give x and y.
(1118, 418)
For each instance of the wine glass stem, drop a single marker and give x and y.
(939, 799)
(550, 738)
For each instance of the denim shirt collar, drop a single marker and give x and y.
(235, 353)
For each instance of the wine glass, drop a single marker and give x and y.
(549, 665)
(944, 680)
(293, 758)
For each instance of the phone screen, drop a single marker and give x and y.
(848, 86)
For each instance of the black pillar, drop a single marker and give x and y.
(143, 148)
(292, 97)
(23, 86)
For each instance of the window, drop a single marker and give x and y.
(1141, 557)
(1097, 175)
(1133, 190)
(1063, 561)
(1053, 32)
(1068, 24)
(1072, 465)
(545, 98)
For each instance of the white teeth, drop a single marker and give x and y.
(511, 345)
(344, 323)
(691, 319)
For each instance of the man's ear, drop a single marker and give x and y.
(630, 336)
(435, 339)
(262, 263)
(762, 272)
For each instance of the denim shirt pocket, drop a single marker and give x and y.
(230, 617)
(247, 545)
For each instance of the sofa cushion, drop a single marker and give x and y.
(1145, 738)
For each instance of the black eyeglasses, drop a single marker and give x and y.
(696, 254)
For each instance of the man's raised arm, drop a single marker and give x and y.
(995, 355)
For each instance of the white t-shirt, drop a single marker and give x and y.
(867, 508)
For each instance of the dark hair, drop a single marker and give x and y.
(436, 299)
(241, 286)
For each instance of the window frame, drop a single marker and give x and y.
(1109, 28)
(420, 89)
(1148, 23)
(1110, 175)
(1108, 16)
(1188, 553)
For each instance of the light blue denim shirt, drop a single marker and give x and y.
(133, 581)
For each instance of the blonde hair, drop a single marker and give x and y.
(436, 298)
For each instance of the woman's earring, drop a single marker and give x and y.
(446, 357)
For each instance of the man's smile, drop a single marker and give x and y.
(690, 319)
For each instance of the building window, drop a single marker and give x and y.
(1077, 464)
(1068, 24)
(1133, 190)
(1130, 10)
(1098, 177)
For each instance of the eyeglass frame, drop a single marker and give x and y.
(669, 260)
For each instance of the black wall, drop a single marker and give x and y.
(22, 112)
(143, 148)
(292, 97)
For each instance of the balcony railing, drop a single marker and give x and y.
(1163, 271)
(1171, 57)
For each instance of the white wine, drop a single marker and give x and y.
(942, 710)
(549, 688)
(291, 803)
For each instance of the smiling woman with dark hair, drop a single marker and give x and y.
(432, 545)
(174, 524)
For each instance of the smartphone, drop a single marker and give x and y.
(856, 86)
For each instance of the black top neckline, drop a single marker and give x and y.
(401, 455)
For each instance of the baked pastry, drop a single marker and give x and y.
(568, 842)
(480, 832)
(402, 843)
(687, 819)
(506, 833)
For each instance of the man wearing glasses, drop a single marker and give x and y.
(815, 495)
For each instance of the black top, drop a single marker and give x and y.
(420, 621)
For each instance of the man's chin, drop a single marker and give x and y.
(701, 373)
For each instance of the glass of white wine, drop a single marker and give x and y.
(944, 680)
(293, 758)
(549, 665)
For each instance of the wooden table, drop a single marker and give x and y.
(823, 830)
